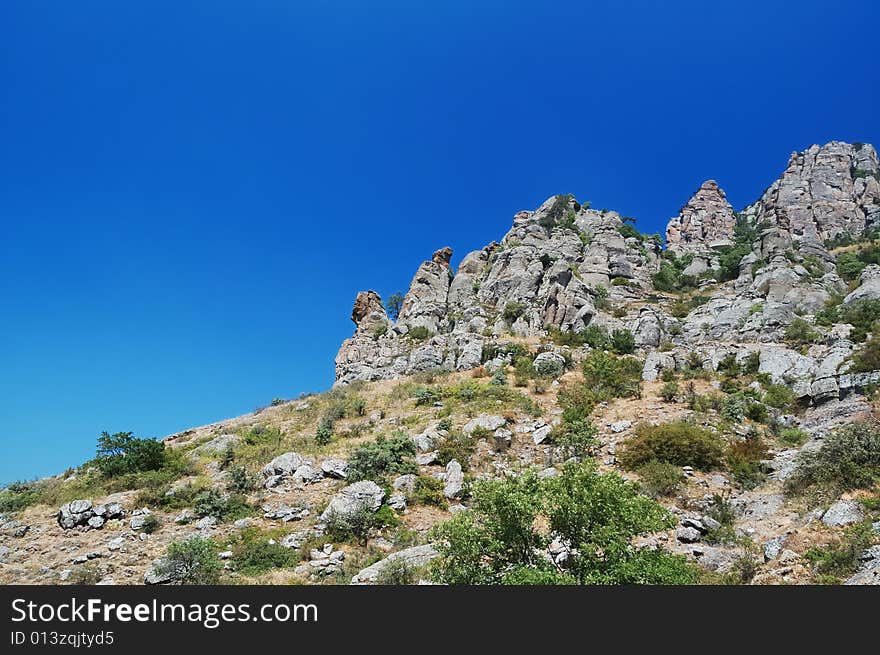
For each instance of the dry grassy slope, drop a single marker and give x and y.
(47, 550)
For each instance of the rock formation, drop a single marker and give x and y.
(565, 267)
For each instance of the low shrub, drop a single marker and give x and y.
(623, 342)
(191, 562)
(610, 377)
(457, 446)
(841, 558)
(679, 442)
(253, 553)
(660, 478)
(744, 461)
(428, 491)
(793, 437)
(223, 507)
(669, 391)
(848, 459)
(385, 456)
(359, 524)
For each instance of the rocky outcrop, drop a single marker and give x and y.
(705, 223)
(565, 266)
(824, 192)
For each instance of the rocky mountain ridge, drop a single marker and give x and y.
(566, 266)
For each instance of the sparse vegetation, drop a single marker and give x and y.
(679, 442)
(191, 562)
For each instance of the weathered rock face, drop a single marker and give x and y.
(825, 191)
(565, 267)
(705, 222)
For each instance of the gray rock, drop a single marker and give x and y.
(485, 421)
(335, 468)
(353, 498)
(687, 535)
(843, 512)
(426, 459)
(405, 483)
(620, 426)
(774, 546)
(217, 445)
(454, 480)
(397, 502)
(540, 435)
(308, 474)
(206, 523)
(415, 557)
(157, 573)
(285, 464)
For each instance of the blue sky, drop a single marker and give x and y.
(192, 193)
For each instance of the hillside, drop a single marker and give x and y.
(575, 403)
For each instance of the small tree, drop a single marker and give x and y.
(623, 342)
(394, 305)
(191, 562)
(122, 453)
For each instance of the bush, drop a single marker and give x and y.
(428, 491)
(623, 342)
(324, 433)
(222, 507)
(669, 391)
(394, 305)
(191, 562)
(252, 553)
(848, 459)
(744, 461)
(722, 511)
(679, 442)
(660, 478)
(793, 437)
(612, 377)
(122, 453)
(862, 315)
(240, 481)
(457, 446)
(397, 572)
(498, 542)
(359, 524)
(383, 457)
(867, 359)
(86, 574)
(779, 396)
(151, 524)
(512, 311)
(800, 332)
(842, 557)
(19, 495)
(419, 333)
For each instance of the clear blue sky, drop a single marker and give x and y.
(192, 193)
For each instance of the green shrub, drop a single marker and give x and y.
(793, 437)
(426, 396)
(122, 453)
(419, 333)
(744, 461)
(597, 514)
(721, 510)
(222, 507)
(151, 524)
(757, 412)
(385, 456)
(627, 231)
(324, 433)
(862, 315)
(623, 342)
(191, 562)
(240, 481)
(660, 478)
(397, 572)
(867, 358)
(679, 442)
(19, 495)
(253, 553)
(842, 557)
(359, 524)
(428, 491)
(512, 311)
(86, 574)
(779, 396)
(394, 305)
(612, 377)
(457, 446)
(801, 332)
(669, 391)
(848, 459)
